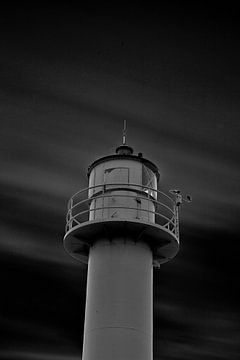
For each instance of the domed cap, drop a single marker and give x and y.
(124, 150)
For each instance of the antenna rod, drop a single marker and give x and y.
(124, 132)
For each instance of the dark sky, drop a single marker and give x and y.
(68, 78)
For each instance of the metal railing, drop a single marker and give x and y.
(94, 203)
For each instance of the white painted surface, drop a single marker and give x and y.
(118, 317)
(122, 204)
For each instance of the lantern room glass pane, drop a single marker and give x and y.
(149, 180)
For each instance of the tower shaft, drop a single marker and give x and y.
(119, 305)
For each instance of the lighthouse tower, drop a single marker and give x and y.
(121, 226)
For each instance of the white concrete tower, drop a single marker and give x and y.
(121, 226)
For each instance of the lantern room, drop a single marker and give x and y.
(122, 186)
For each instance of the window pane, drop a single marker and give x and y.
(150, 181)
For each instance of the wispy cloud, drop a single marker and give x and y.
(21, 355)
(190, 333)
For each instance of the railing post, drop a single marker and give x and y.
(176, 221)
(148, 205)
(70, 213)
(103, 202)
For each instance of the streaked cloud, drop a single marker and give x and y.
(67, 83)
(12, 355)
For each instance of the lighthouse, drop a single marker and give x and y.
(121, 226)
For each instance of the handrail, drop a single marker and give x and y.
(141, 186)
(162, 213)
(120, 207)
(88, 200)
(166, 225)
